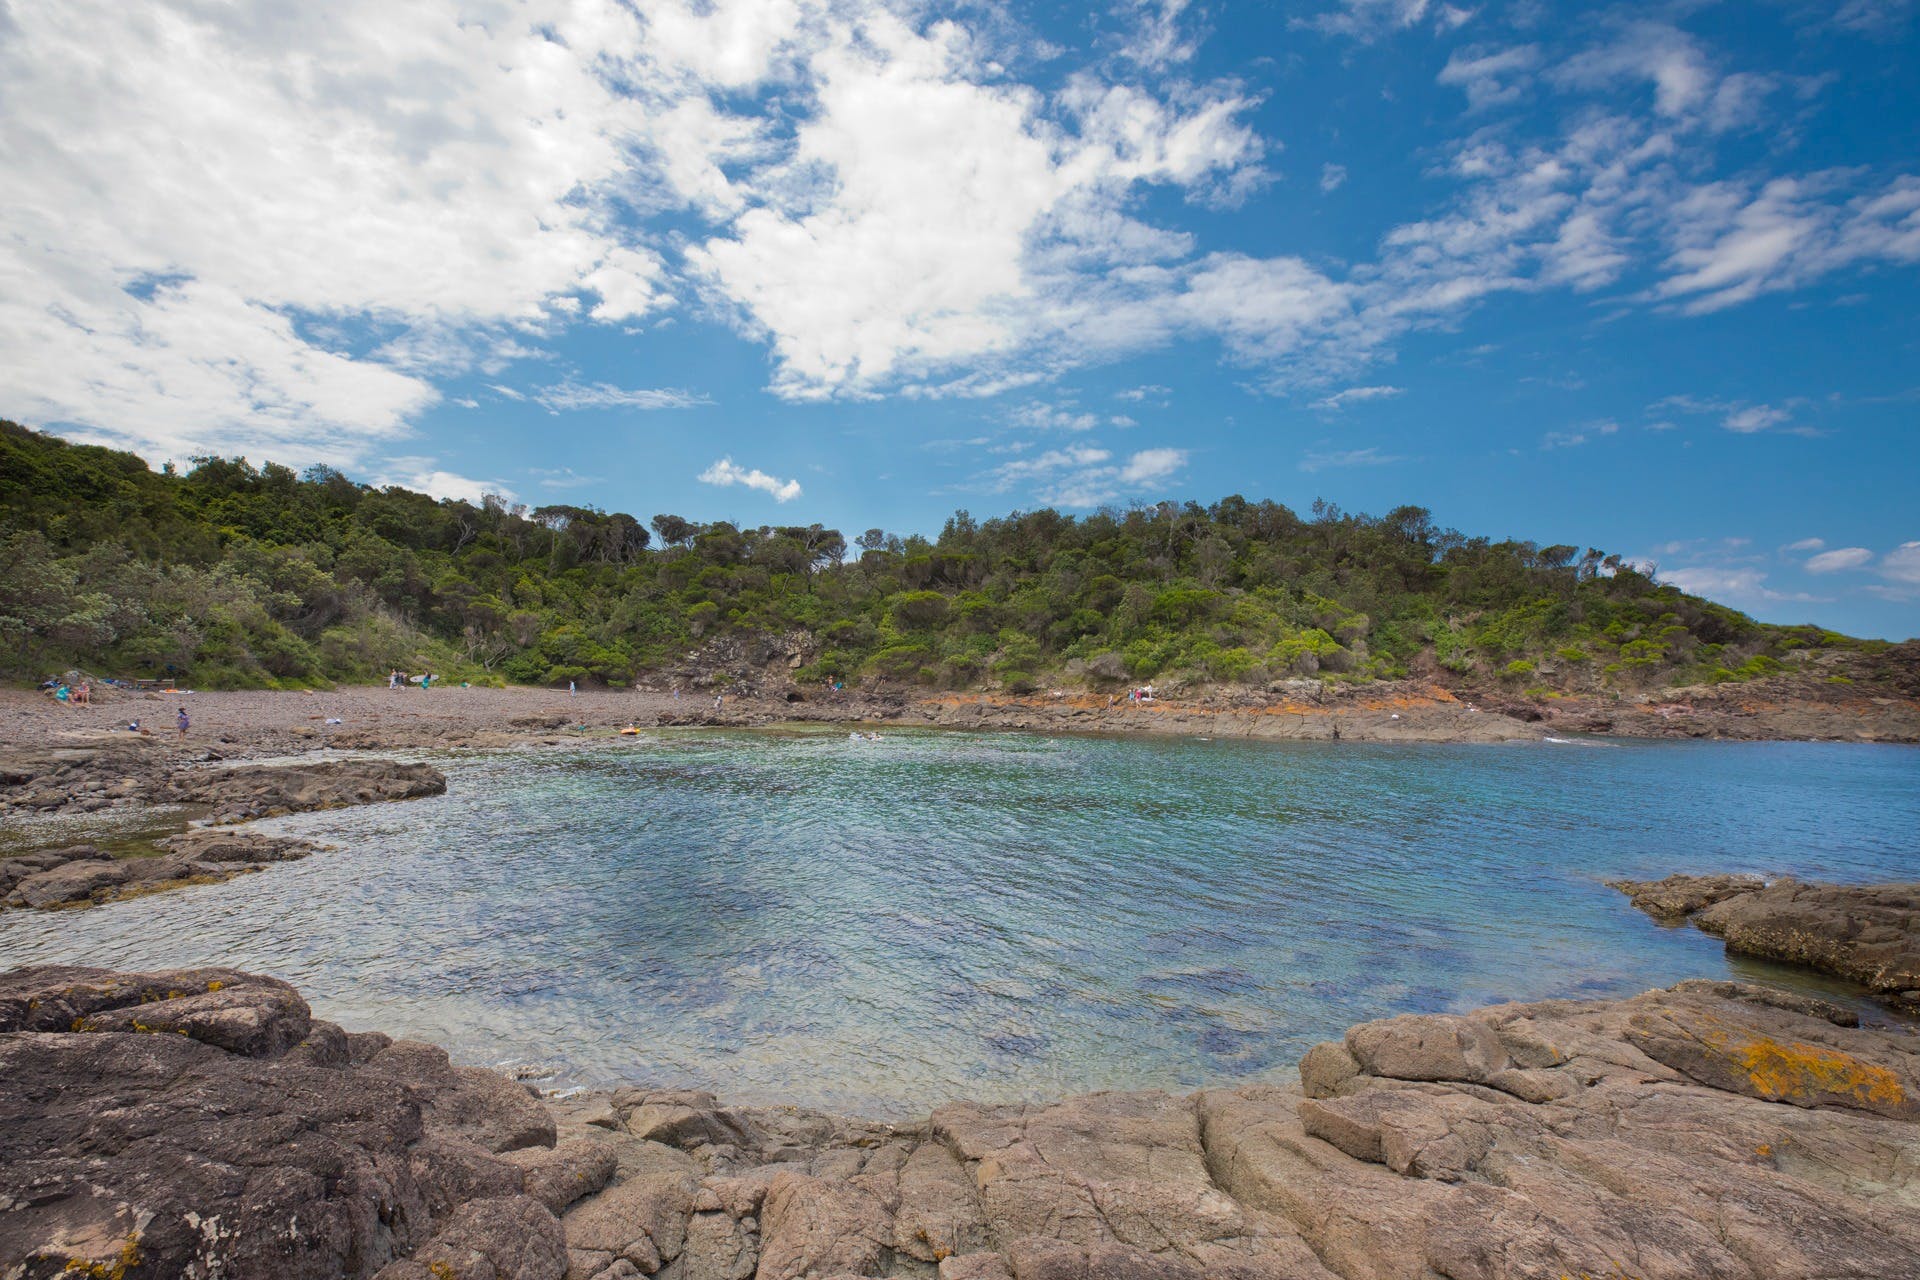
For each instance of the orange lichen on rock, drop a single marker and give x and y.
(1796, 1070)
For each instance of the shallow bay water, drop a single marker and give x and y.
(879, 926)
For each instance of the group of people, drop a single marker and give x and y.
(396, 679)
(1144, 693)
(70, 695)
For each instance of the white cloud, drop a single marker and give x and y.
(1876, 17)
(1756, 417)
(1152, 465)
(563, 478)
(1737, 416)
(276, 165)
(1045, 417)
(326, 209)
(599, 395)
(1733, 584)
(1354, 395)
(927, 217)
(1157, 40)
(1902, 564)
(1371, 19)
(1371, 457)
(1806, 544)
(1840, 558)
(1579, 435)
(725, 472)
(1491, 77)
(1086, 475)
(1332, 178)
(423, 475)
(1660, 54)
(1151, 391)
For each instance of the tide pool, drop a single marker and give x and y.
(879, 926)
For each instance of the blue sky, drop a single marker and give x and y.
(1638, 276)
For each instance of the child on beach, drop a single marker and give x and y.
(183, 722)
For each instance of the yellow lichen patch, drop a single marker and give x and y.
(1795, 1070)
(215, 985)
(114, 1268)
(443, 1271)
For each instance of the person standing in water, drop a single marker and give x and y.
(183, 722)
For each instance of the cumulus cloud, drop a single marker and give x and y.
(449, 174)
(1332, 178)
(1902, 564)
(1838, 559)
(726, 472)
(329, 210)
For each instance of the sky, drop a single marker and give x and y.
(1639, 277)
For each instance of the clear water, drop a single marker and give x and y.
(880, 926)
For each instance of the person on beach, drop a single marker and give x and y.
(569, 688)
(717, 699)
(62, 694)
(83, 694)
(183, 722)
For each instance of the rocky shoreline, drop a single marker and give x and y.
(202, 1123)
(1866, 934)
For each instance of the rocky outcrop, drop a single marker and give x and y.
(83, 876)
(245, 792)
(85, 773)
(201, 1123)
(1869, 934)
(1716, 1130)
(1675, 898)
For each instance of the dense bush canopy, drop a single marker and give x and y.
(235, 575)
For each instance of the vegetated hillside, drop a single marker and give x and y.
(233, 576)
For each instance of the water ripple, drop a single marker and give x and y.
(880, 926)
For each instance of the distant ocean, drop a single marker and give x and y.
(879, 926)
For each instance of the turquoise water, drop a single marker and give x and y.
(879, 926)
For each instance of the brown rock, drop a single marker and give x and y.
(71, 882)
(1679, 896)
(558, 1176)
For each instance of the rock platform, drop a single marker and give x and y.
(1868, 934)
(202, 1123)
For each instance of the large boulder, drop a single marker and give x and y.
(202, 1123)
